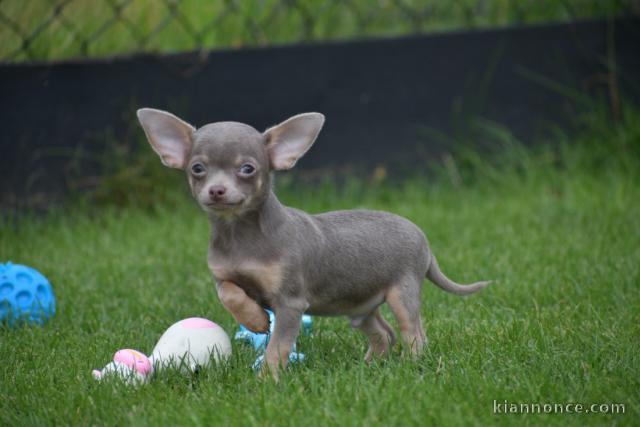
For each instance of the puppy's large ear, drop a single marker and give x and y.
(169, 136)
(289, 140)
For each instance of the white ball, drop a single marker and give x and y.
(191, 343)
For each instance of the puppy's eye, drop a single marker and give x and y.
(197, 169)
(247, 169)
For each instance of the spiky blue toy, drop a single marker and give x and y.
(26, 295)
(260, 341)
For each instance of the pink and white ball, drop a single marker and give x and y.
(190, 344)
(130, 365)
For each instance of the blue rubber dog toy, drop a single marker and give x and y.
(26, 295)
(259, 341)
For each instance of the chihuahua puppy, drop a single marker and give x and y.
(264, 254)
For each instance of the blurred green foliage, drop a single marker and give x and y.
(132, 174)
(57, 29)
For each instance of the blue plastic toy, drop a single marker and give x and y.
(260, 341)
(26, 295)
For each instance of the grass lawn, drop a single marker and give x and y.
(558, 228)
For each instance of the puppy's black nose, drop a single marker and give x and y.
(216, 192)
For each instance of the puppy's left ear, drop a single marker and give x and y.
(289, 140)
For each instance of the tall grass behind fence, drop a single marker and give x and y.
(62, 29)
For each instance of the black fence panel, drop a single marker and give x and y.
(385, 100)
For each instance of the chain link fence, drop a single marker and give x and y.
(61, 29)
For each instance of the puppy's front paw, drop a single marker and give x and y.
(256, 320)
(244, 309)
(267, 372)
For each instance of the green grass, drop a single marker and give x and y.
(59, 29)
(557, 228)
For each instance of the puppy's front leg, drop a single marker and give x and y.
(242, 308)
(285, 332)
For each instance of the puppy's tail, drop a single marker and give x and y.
(443, 282)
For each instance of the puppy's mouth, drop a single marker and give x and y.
(223, 205)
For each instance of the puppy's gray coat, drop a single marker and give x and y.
(263, 254)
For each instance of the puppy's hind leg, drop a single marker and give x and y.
(404, 301)
(380, 334)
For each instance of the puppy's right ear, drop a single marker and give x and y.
(169, 136)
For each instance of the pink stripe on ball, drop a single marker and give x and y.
(197, 323)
